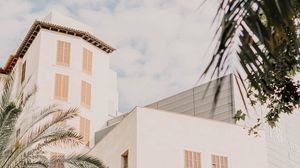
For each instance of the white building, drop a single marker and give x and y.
(151, 130)
(149, 138)
(70, 66)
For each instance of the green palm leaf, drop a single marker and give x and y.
(45, 130)
(263, 37)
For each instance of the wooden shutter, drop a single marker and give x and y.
(192, 159)
(63, 53)
(188, 159)
(59, 54)
(57, 86)
(61, 87)
(224, 162)
(23, 72)
(197, 159)
(214, 161)
(85, 94)
(219, 161)
(87, 61)
(67, 54)
(85, 130)
(65, 87)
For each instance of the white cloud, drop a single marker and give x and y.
(13, 17)
(160, 43)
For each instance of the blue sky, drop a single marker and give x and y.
(161, 44)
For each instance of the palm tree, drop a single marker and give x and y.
(262, 39)
(30, 146)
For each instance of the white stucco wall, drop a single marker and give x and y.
(103, 79)
(41, 67)
(162, 137)
(122, 138)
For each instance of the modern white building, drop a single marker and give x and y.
(282, 142)
(69, 66)
(190, 116)
(148, 138)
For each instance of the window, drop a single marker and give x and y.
(85, 130)
(219, 161)
(23, 72)
(125, 159)
(56, 156)
(192, 159)
(63, 53)
(87, 61)
(85, 94)
(61, 87)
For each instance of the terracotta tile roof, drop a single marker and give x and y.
(10, 63)
(33, 32)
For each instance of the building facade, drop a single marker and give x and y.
(69, 66)
(148, 138)
(283, 141)
(281, 144)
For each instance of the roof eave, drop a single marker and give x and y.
(33, 32)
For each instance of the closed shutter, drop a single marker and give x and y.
(63, 53)
(85, 94)
(59, 54)
(224, 162)
(67, 54)
(192, 159)
(61, 87)
(219, 161)
(197, 159)
(214, 161)
(87, 61)
(186, 165)
(85, 130)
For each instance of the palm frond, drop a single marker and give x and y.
(80, 161)
(44, 131)
(263, 37)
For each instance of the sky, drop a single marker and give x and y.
(162, 45)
